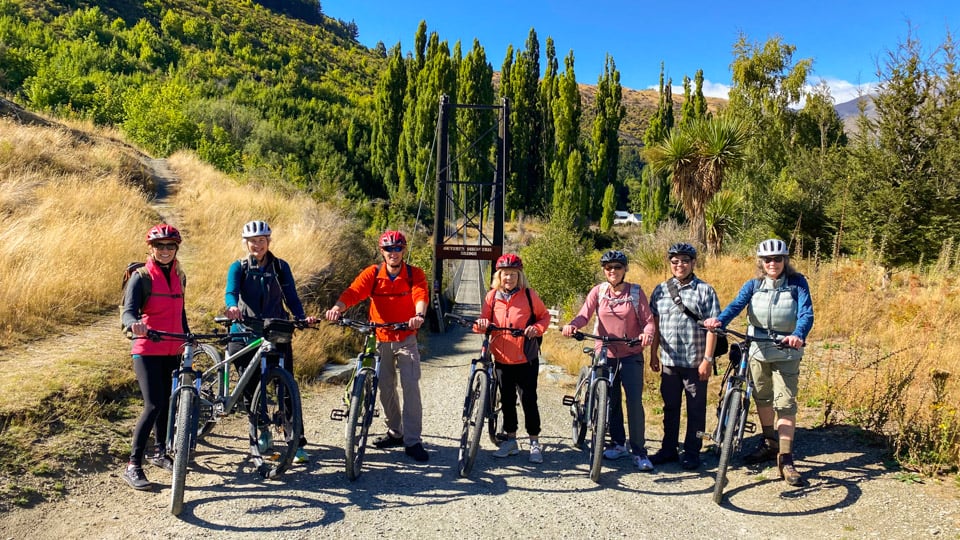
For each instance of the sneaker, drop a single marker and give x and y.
(301, 457)
(642, 463)
(507, 448)
(690, 461)
(388, 440)
(536, 454)
(265, 442)
(417, 452)
(660, 457)
(163, 461)
(616, 451)
(134, 476)
(767, 450)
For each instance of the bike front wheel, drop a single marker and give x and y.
(214, 383)
(474, 414)
(599, 406)
(358, 422)
(183, 427)
(730, 423)
(276, 424)
(495, 412)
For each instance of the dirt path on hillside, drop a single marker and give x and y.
(848, 494)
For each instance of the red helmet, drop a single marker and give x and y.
(509, 260)
(392, 238)
(163, 232)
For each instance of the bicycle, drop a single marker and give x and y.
(360, 396)
(733, 407)
(201, 395)
(482, 402)
(589, 405)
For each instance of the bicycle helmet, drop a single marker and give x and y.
(682, 248)
(163, 232)
(392, 238)
(509, 260)
(771, 247)
(256, 228)
(613, 256)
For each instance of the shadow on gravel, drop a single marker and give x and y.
(833, 461)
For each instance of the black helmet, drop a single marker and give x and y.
(682, 248)
(613, 256)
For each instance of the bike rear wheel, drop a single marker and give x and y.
(474, 414)
(599, 428)
(183, 427)
(579, 411)
(730, 422)
(276, 416)
(358, 422)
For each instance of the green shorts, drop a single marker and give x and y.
(776, 385)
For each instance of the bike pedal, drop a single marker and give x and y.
(568, 401)
(749, 427)
(338, 414)
(376, 413)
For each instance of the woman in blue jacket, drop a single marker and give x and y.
(778, 305)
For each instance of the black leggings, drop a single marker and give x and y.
(522, 377)
(155, 375)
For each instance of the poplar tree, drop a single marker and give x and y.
(388, 121)
(655, 186)
(525, 188)
(606, 126)
(548, 94)
(567, 167)
(475, 137)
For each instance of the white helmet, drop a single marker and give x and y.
(256, 228)
(771, 247)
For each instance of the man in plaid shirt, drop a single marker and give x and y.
(683, 351)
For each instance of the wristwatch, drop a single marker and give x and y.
(708, 359)
(421, 315)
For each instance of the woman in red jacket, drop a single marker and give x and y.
(154, 361)
(511, 303)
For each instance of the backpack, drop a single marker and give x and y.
(146, 282)
(634, 296)
(376, 273)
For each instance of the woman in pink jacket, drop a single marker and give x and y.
(622, 311)
(510, 303)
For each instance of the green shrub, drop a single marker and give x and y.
(559, 267)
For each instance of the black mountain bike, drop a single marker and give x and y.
(360, 398)
(733, 408)
(482, 402)
(589, 405)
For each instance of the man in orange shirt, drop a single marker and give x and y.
(398, 293)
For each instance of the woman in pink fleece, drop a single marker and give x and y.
(622, 311)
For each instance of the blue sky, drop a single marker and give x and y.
(844, 38)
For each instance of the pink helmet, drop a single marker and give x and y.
(392, 238)
(163, 232)
(509, 260)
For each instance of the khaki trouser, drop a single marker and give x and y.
(404, 357)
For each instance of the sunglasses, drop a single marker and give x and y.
(776, 259)
(678, 262)
(392, 249)
(613, 267)
(165, 247)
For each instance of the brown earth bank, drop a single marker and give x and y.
(849, 491)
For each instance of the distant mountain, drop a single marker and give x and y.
(848, 111)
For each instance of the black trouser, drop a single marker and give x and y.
(522, 377)
(242, 361)
(155, 376)
(676, 382)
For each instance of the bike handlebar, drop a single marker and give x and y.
(159, 335)
(299, 324)
(579, 336)
(468, 323)
(779, 342)
(367, 326)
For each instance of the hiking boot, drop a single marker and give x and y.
(134, 476)
(388, 440)
(690, 461)
(642, 463)
(417, 452)
(265, 442)
(766, 450)
(661, 456)
(788, 473)
(536, 453)
(507, 448)
(301, 457)
(616, 451)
